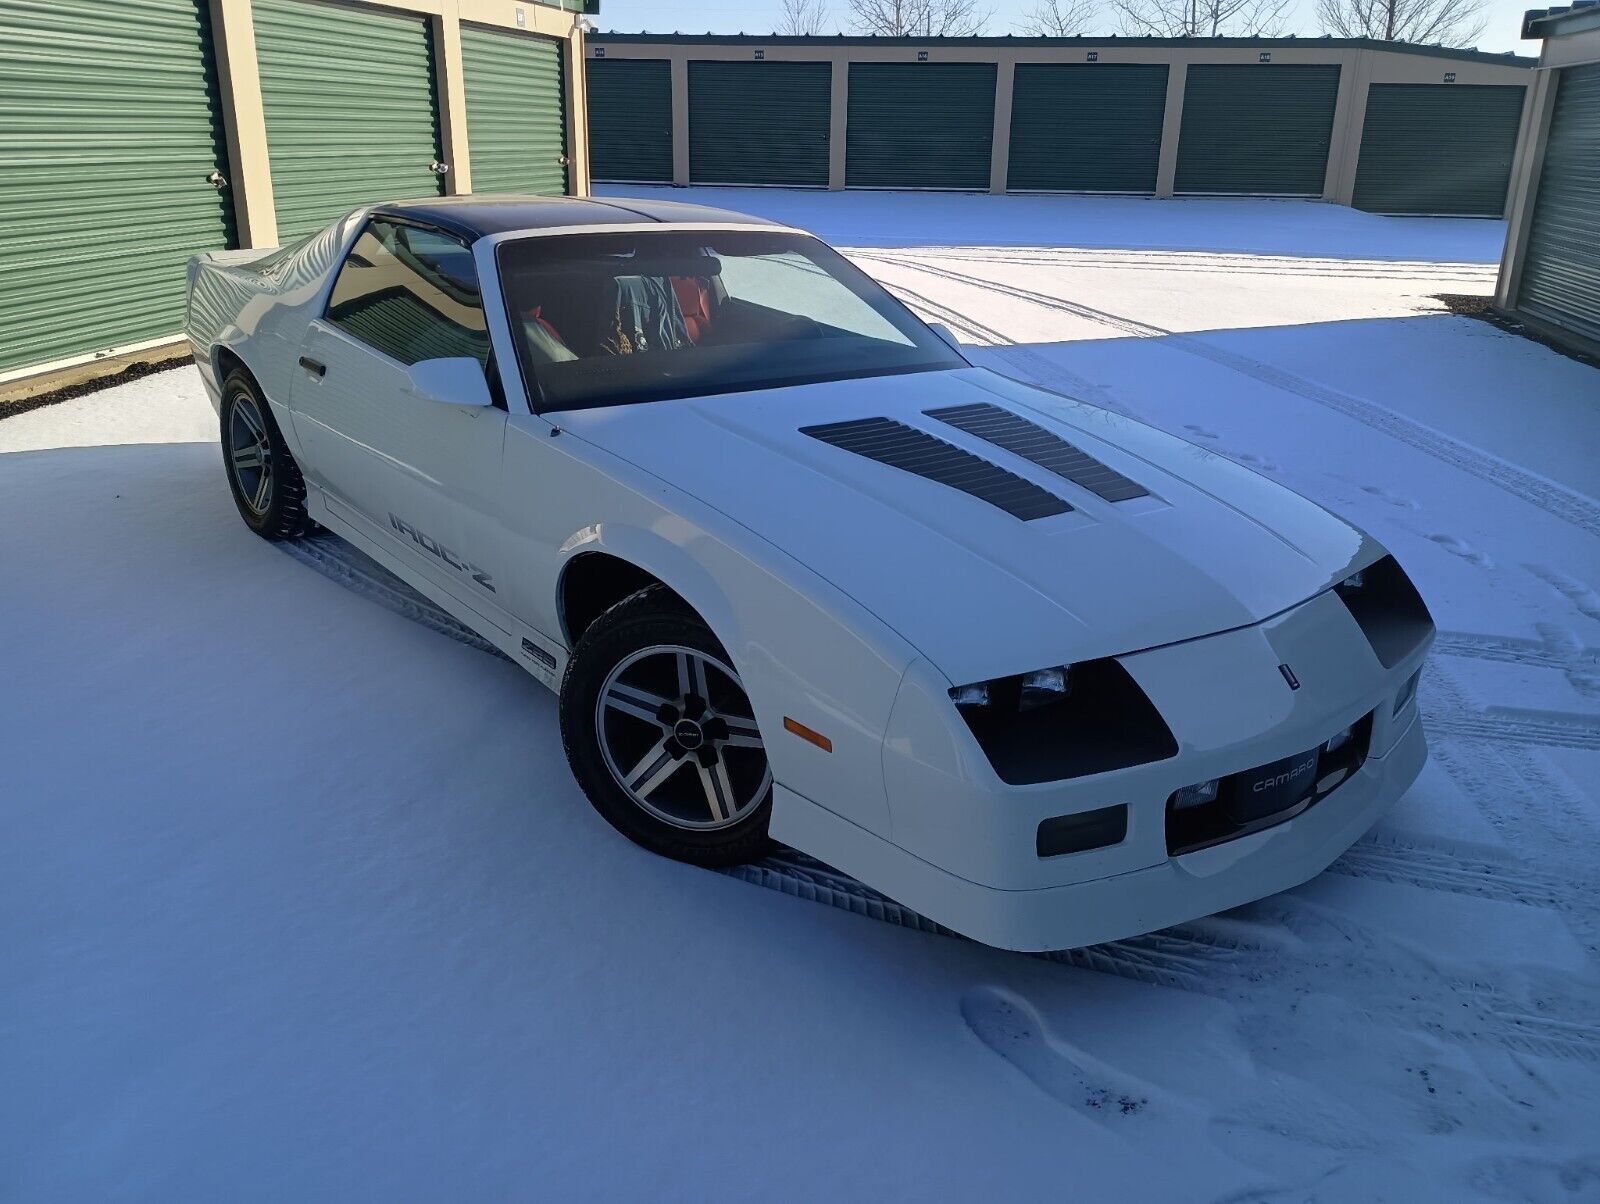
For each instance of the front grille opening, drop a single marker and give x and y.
(1105, 722)
(1389, 611)
(1238, 808)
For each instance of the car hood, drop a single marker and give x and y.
(978, 592)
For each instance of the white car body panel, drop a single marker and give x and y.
(850, 596)
(1104, 579)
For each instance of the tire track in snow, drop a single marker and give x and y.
(344, 563)
(1554, 499)
(1514, 725)
(1479, 873)
(1430, 274)
(1556, 651)
(1031, 366)
(1379, 977)
(1536, 814)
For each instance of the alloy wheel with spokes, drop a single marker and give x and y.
(676, 732)
(262, 475)
(661, 735)
(249, 453)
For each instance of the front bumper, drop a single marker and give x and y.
(963, 845)
(1127, 904)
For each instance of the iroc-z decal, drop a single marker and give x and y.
(437, 550)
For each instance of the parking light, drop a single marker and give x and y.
(1197, 795)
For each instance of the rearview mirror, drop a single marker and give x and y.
(944, 332)
(456, 381)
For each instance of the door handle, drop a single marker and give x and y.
(317, 369)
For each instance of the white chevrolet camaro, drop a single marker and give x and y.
(799, 571)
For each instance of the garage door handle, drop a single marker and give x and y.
(312, 366)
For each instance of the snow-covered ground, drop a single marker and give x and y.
(297, 899)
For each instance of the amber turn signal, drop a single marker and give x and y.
(806, 734)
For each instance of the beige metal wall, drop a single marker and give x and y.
(250, 169)
(1360, 67)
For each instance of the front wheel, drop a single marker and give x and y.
(661, 735)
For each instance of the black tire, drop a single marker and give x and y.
(275, 509)
(649, 625)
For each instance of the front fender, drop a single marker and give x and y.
(804, 650)
(797, 660)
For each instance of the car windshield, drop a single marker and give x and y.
(612, 319)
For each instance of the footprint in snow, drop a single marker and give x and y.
(1580, 595)
(1394, 499)
(1537, 1179)
(1260, 463)
(1460, 547)
(1012, 1028)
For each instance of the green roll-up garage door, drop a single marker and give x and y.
(1438, 148)
(920, 125)
(350, 108)
(1561, 272)
(516, 112)
(111, 126)
(759, 123)
(1086, 127)
(1256, 129)
(630, 120)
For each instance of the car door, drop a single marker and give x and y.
(421, 477)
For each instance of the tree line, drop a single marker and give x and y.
(1427, 22)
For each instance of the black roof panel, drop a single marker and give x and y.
(473, 217)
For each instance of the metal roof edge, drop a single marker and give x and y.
(1557, 22)
(1505, 58)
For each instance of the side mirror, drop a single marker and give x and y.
(457, 381)
(944, 332)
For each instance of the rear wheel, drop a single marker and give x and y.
(661, 735)
(262, 475)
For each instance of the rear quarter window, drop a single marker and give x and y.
(412, 294)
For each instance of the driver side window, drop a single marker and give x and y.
(412, 294)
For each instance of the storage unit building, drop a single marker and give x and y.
(142, 132)
(1550, 273)
(1438, 148)
(759, 123)
(1257, 129)
(516, 110)
(110, 140)
(354, 121)
(1086, 127)
(1150, 116)
(916, 125)
(630, 120)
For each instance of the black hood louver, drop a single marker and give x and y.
(1017, 435)
(910, 450)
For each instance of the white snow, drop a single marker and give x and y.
(298, 901)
